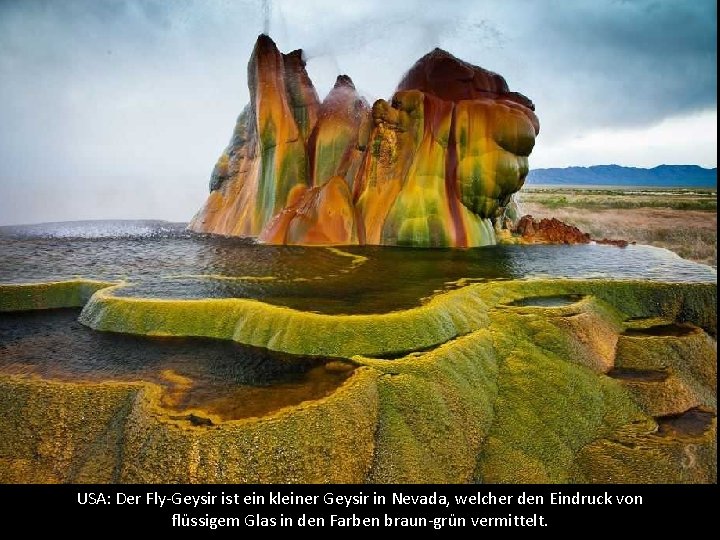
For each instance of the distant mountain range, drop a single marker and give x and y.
(616, 175)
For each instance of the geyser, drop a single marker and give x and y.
(433, 167)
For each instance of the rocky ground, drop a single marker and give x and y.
(682, 220)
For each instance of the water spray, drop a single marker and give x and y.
(266, 10)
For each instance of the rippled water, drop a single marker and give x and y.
(227, 379)
(162, 260)
(223, 378)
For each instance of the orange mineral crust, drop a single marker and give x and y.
(322, 215)
(435, 166)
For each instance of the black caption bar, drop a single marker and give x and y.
(439, 508)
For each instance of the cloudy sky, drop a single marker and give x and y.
(119, 108)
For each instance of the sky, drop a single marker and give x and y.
(118, 109)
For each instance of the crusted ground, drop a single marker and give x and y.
(510, 381)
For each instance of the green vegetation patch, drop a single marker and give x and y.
(59, 432)
(444, 317)
(49, 295)
(511, 392)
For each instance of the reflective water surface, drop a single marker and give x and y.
(224, 378)
(162, 260)
(227, 380)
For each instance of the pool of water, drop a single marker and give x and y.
(223, 378)
(691, 423)
(663, 330)
(162, 260)
(560, 300)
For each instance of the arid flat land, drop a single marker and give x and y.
(683, 220)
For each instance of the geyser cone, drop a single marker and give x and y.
(433, 167)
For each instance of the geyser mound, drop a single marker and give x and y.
(433, 167)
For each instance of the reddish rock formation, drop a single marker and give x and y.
(554, 231)
(609, 242)
(432, 167)
(549, 231)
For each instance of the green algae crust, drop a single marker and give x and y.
(117, 432)
(48, 295)
(283, 329)
(498, 393)
(444, 317)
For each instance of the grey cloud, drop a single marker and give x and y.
(92, 91)
(633, 64)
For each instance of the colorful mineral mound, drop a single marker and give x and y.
(433, 167)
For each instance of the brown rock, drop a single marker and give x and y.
(526, 226)
(618, 243)
(549, 231)
(554, 231)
